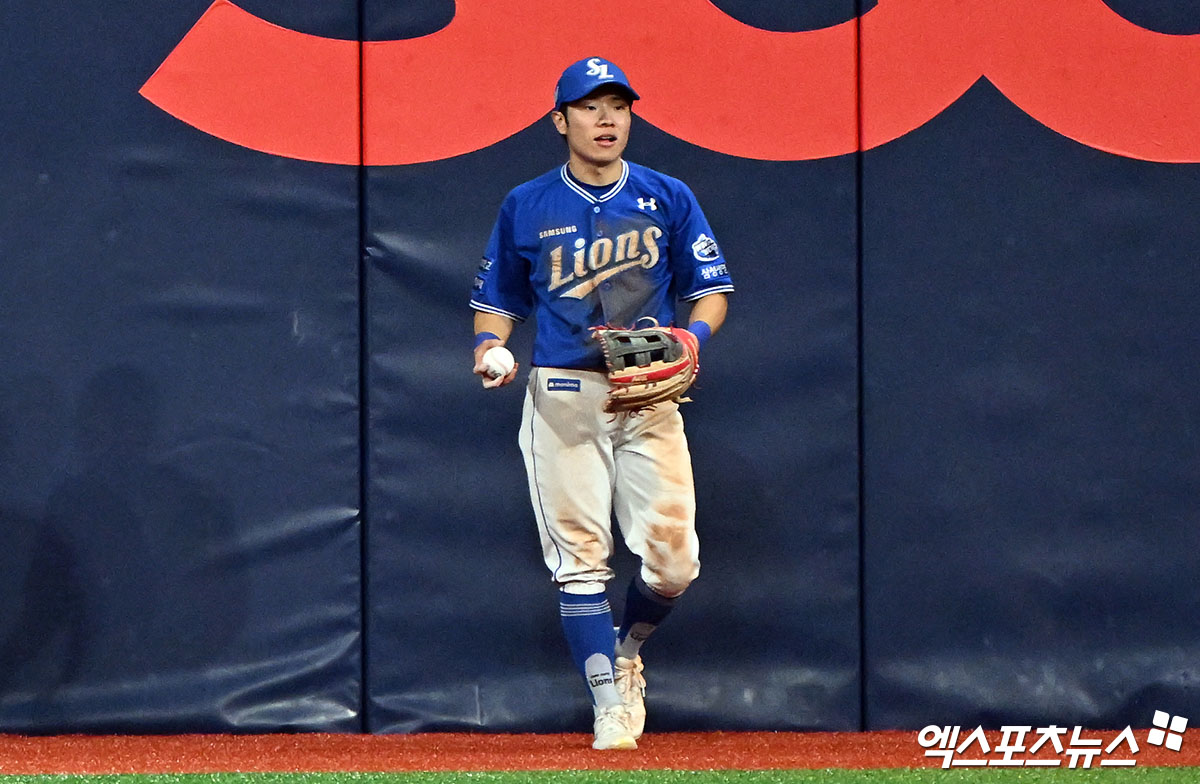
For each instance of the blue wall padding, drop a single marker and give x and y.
(464, 624)
(1030, 442)
(179, 416)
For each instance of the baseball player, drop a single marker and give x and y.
(601, 241)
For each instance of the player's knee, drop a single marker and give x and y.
(670, 559)
(670, 580)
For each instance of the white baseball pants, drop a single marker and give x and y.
(584, 465)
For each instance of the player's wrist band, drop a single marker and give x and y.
(482, 336)
(701, 330)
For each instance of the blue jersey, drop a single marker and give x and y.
(576, 256)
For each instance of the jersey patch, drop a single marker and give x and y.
(562, 385)
(713, 271)
(705, 248)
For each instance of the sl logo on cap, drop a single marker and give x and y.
(597, 67)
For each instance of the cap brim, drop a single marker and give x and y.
(614, 86)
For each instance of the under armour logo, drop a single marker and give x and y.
(644, 203)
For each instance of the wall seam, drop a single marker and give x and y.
(864, 722)
(364, 357)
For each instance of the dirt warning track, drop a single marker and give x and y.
(82, 754)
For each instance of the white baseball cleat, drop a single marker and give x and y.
(612, 729)
(628, 678)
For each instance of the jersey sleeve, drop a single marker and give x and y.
(501, 283)
(697, 264)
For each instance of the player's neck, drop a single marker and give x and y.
(595, 174)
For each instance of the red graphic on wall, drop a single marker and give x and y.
(1074, 65)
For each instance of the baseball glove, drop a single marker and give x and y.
(647, 365)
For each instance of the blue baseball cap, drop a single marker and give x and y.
(586, 76)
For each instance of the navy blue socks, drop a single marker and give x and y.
(644, 611)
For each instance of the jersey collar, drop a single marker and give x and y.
(613, 191)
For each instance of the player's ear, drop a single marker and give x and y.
(560, 121)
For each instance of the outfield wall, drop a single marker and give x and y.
(946, 446)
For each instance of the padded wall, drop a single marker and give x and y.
(1030, 405)
(248, 482)
(178, 417)
(464, 627)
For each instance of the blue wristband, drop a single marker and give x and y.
(482, 336)
(701, 330)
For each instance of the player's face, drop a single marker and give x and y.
(596, 128)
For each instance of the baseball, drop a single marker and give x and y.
(498, 361)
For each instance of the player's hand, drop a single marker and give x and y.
(481, 370)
